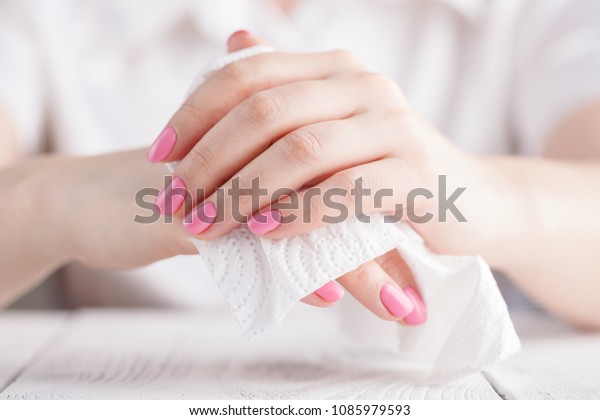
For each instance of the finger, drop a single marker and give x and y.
(350, 193)
(290, 163)
(243, 39)
(166, 140)
(225, 89)
(377, 291)
(314, 300)
(271, 114)
(395, 266)
(325, 296)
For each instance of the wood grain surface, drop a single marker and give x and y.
(152, 354)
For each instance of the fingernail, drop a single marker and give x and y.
(236, 33)
(331, 292)
(171, 197)
(395, 300)
(162, 146)
(200, 218)
(419, 314)
(264, 222)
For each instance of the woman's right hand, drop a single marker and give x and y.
(91, 203)
(60, 209)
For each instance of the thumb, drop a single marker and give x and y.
(243, 39)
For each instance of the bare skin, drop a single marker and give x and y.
(548, 206)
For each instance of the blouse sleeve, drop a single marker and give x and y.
(21, 76)
(558, 67)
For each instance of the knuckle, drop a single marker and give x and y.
(200, 157)
(396, 115)
(378, 81)
(305, 146)
(245, 205)
(263, 108)
(350, 179)
(247, 194)
(190, 109)
(387, 91)
(234, 72)
(410, 125)
(315, 209)
(346, 57)
(395, 266)
(364, 271)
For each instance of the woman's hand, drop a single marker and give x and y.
(106, 220)
(297, 120)
(60, 209)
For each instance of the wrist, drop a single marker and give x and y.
(46, 199)
(507, 211)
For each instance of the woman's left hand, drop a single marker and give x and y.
(321, 120)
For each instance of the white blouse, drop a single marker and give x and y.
(495, 76)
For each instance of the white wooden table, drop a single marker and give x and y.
(152, 354)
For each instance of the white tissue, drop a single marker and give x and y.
(468, 327)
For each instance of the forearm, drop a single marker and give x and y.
(551, 233)
(30, 244)
(8, 143)
(62, 209)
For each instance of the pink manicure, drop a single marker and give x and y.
(395, 300)
(162, 146)
(419, 315)
(171, 197)
(264, 222)
(331, 292)
(237, 33)
(200, 218)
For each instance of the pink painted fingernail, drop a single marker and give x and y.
(264, 222)
(236, 33)
(331, 292)
(200, 218)
(171, 197)
(395, 300)
(419, 314)
(162, 146)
